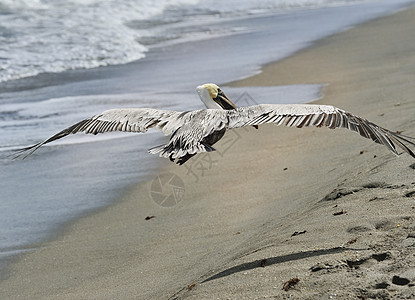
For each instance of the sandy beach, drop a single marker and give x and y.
(328, 210)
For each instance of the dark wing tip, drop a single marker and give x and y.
(24, 152)
(400, 140)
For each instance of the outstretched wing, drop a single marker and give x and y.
(303, 115)
(192, 131)
(128, 120)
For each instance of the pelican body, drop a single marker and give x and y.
(193, 132)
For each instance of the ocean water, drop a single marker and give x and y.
(62, 61)
(93, 33)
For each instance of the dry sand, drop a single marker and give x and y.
(231, 235)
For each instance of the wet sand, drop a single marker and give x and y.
(232, 233)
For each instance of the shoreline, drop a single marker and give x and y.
(168, 254)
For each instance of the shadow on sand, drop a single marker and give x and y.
(260, 263)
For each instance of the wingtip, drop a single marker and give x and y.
(22, 153)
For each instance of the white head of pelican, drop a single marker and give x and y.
(213, 97)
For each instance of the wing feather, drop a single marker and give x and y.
(128, 120)
(304, 115)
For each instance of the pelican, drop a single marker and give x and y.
(193, 132)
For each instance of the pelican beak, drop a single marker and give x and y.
(224, 101)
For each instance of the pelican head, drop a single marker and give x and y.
(213, 97)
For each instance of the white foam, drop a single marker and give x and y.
(53, 36)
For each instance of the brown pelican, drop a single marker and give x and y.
(193, 132)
